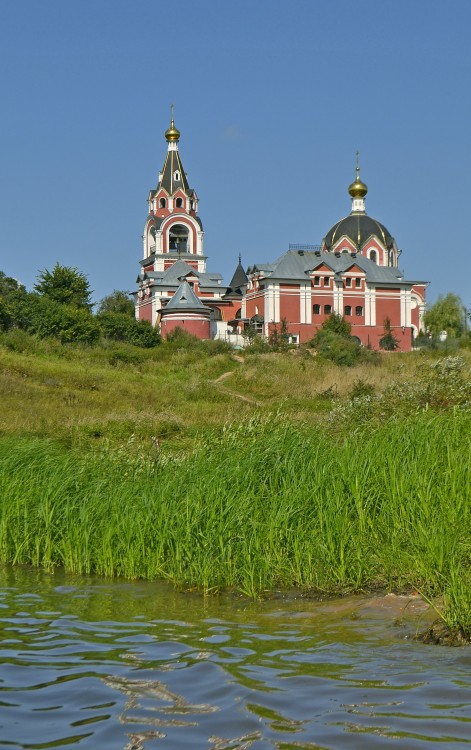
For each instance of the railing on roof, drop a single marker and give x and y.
(307, 248)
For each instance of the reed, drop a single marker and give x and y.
(256, 505)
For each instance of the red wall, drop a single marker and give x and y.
(196, 326)
(144, 311)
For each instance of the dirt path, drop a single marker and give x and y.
(242, 397)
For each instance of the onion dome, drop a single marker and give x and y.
(358, 189)
(172, 134)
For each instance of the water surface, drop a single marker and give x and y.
(137, 665)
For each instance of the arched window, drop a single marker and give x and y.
(358, 311)
(178, 239)
(391, 257)
(176, 176)
(348, 310)
(179, 202)
(316, 309)
(327, 309)
(373, 256)
(162, 203)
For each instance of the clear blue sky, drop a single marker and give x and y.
(272, 99)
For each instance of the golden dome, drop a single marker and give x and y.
(172, 134)
(358, 189)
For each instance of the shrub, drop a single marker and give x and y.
(361, 388)
(121, 327)
(337, 348)
(117, 302)
(388, 341)
(182, 338)
(44, 317)
(337, 324)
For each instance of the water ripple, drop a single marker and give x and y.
(136, 666)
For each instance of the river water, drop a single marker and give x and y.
(137, 665)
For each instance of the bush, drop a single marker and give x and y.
(121, 327)
(337, 348)
(182, 338)
(388, 341)
(117, 302)
(44, 317)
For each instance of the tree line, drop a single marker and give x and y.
(60, 306)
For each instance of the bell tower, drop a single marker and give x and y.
(173, 230)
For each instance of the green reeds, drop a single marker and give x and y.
(256, 506)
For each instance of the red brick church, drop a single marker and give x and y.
(353, 272)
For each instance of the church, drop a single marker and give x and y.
(354, 272)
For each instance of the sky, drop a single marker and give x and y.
(273, 99)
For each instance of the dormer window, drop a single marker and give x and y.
(162, 203)
(176, 176)
(348, 281)
(357, 283)
(374, 256)
(179, 202)
(326, 280)
(317, 280)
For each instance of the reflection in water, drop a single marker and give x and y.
(135, 666)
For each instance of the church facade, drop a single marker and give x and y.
(354, 272)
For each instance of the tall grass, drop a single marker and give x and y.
(255, 506)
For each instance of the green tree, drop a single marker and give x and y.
(44, 317)
(65, 285)
(337, 324)
(447, 314)
(10, 291)
(117, 302)
(388, 341)
(6, 315)
(9, 287)
(122, 327)
(334, 341)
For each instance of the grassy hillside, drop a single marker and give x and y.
(86, 396)
(271, 469)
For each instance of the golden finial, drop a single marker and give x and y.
(358, 189)
(172, 134)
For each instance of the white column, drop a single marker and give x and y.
(276, 303)
(272, 292)
(403, 307)
(370, 305)
(408, 307)
(305, 309)
(338, 298)
(199, 243)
